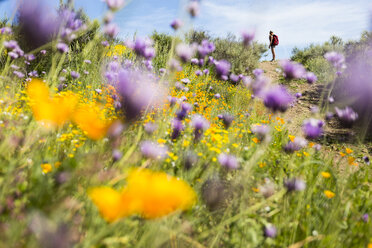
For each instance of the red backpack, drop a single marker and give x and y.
(275, 40)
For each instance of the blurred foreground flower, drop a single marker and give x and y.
(147, 193)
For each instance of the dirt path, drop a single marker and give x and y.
(336, 138)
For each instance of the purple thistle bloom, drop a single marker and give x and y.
(194, 61)
(347, 116)
(366, 160)
(6, 30)
(176, 24)
(222, 68)
(115, 4)
(206, 71)
(111, 30)
(248, 37)
(185, 109)
(365, 218)
(62, 47)
(12, 44)
(228, 161)
(152, 150)
(277, 98)
(177, 128)
(15, 67)
(227, 119)
(270, 231)
(172, 101)
(116, 155)
(150, 127)
(30, 57)
(260, 131)
(19, 74)
(75, 75)
(162, 70)
(193, 8)
(105, 43)
(258, 72)
(138, 92)
(200, 124)
(336, 59)
(198, 73)
(205, 48)
(298, 95)
(234, 78)
(292, 70)
(311, 77)
(295, 184)
(43, 52)
(329, 116)
(297, 144)
(217, 96)
(313, 128)
(87, 61)
(185, 52)
(33, 74)
(185, 81)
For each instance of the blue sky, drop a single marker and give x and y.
(297, 22)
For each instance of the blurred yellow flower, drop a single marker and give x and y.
(46, 168)
(348, 150)
(149, 194)
(291, 137)
(329, 194)
(326, 174)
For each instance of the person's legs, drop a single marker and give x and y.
(273, 52)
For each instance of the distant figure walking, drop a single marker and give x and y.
(274, 41)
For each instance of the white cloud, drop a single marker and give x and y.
(296, 22)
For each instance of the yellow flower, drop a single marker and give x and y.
(306, 154)
(326, 174)
(54, 111)
(370, 245)
(351, 161)
(57, 164)
(88, 119)
(262, 164)
(348, 150)
(161, 141)
(256, 189)
(342, 154)
(147, 193)
(291, 137)
(46, 168)
(329, 194)
(255, 140)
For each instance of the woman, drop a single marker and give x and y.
(272, 44)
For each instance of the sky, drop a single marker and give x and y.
(297, 22)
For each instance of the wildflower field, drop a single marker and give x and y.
(166, 143)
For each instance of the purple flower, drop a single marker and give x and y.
(206, 71)
(217, 96)
(292, 70)
(30, 57)
(297, 144)
(138, 92)
(313, 128)
(177, 128)
(185, 52)
(19, 74)
(227, 119)
(258, 72)
(116, 155)
(43, 52)
(185, 109)
(6, 30)
(150, 127)
(248, 37)
(298, 95)
(115, 4)
(185, 81)
(277, 98)
(152, 150)
(198, 73)
(347, 116)
(75, 75)
(172, 101)
(87, 61)
(200, 124)
(270, 231)
(38, 23)
(365, 218)
(222, 68)
(12, 44)
(366, 160)
(111, 29)
(336, 59)
(311, 77)
(329, 116)
(228, 161)
(62, 47)
(105, 43)
(176, 24)
(194, 61)
(205, 48)
(162, 70)
(260, 131)
(142, 47)
(234, 78)
(193, 8)
(295, 184)
(33, 74)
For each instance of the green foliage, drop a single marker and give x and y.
(163, 46)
